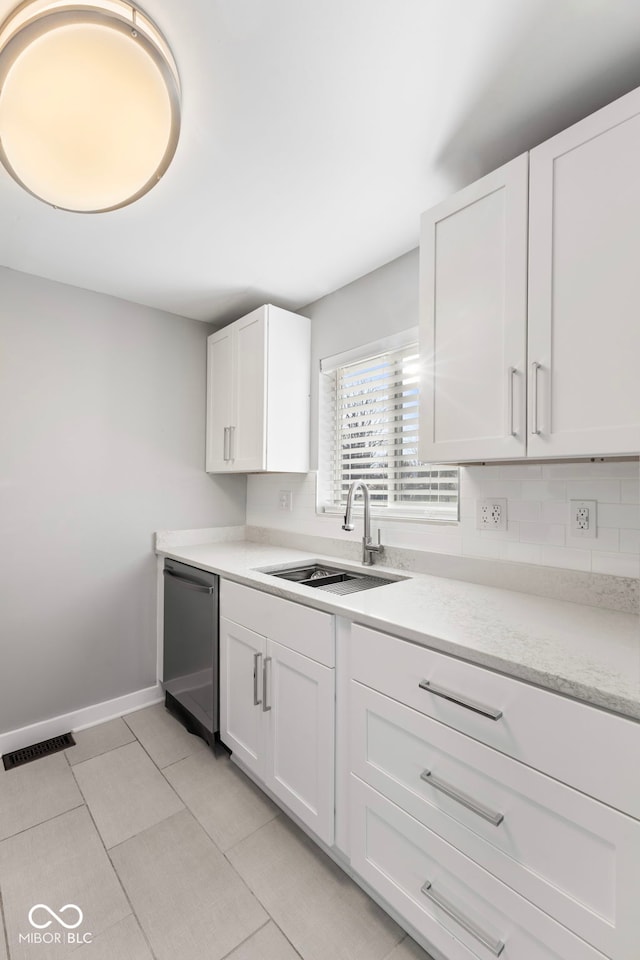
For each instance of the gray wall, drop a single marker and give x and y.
(377, 305)
(102, 407)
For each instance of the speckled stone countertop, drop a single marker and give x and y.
(585, 652)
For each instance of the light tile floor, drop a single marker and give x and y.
(172, 854)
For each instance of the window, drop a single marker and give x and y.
(369, 432)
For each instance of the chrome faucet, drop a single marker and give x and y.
(368, 547)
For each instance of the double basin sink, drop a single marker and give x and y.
(331, 579)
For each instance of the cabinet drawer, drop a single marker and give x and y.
(570, 741)
(309, 632)
(572, 856)
(475, 916)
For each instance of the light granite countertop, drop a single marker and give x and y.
(585, 652)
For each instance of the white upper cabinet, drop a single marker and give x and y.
(564, 333)
(584, 287)
(258, 387)
(473, 270)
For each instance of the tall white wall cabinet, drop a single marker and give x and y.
(258, 389)
(537, 357)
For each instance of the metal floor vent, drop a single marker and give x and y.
(37, 750)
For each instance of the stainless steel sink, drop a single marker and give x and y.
(337, 580)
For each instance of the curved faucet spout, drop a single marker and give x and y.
(368, 548)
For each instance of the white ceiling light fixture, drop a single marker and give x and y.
(89, 103)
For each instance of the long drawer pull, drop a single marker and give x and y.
(495, 946)
(461, 701)
(265, 706)
(256, 700)
(463, 798)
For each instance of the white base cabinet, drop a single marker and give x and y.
(456, 905)
(456, 782)
(277, 705)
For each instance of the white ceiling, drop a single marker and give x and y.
(316, 131)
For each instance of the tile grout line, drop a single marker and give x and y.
(101, 753)
(229, 955)
(113, 866)
(40, 823)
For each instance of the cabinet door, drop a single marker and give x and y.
(473, 280)
(584, 287)
(242, 727)
(300, 750)
(219, 400)
(248, 436)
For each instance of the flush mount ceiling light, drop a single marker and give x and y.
(89, 103)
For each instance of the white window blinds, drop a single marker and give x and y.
(371, 414)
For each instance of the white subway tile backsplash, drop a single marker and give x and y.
(630, 492)
(565, 557)
(537, 507)
(606, 490)
(616, 564)
(521, 471)
(607, 540)
(555, 511)
(544, 490)
(529, 510)
(477, 546)
(576, 470)
(553, 533)
(467, 507)
(522, 552)
(619, 515)
(474, 485)
(630, 541)
(511, 533)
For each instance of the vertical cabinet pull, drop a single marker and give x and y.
(265, 705)
(512, 373)
(495, 946)
(535, 426)
(232, 443)
(256, 658)
(225, 452)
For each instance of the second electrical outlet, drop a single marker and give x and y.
(491, 514)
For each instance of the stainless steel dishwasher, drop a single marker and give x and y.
(191, 652)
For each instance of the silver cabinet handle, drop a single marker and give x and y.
(535, 428)
(232, 443)
(463, 798)
(256, 700)
(512, 373)
(495, 946)
(461, 701)
(265, 705)
(225, 453)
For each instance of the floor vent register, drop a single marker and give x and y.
(37, 750)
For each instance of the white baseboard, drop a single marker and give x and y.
(80, 719)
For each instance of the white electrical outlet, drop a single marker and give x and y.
(285, 500)
(584, 518)
(491, 514)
